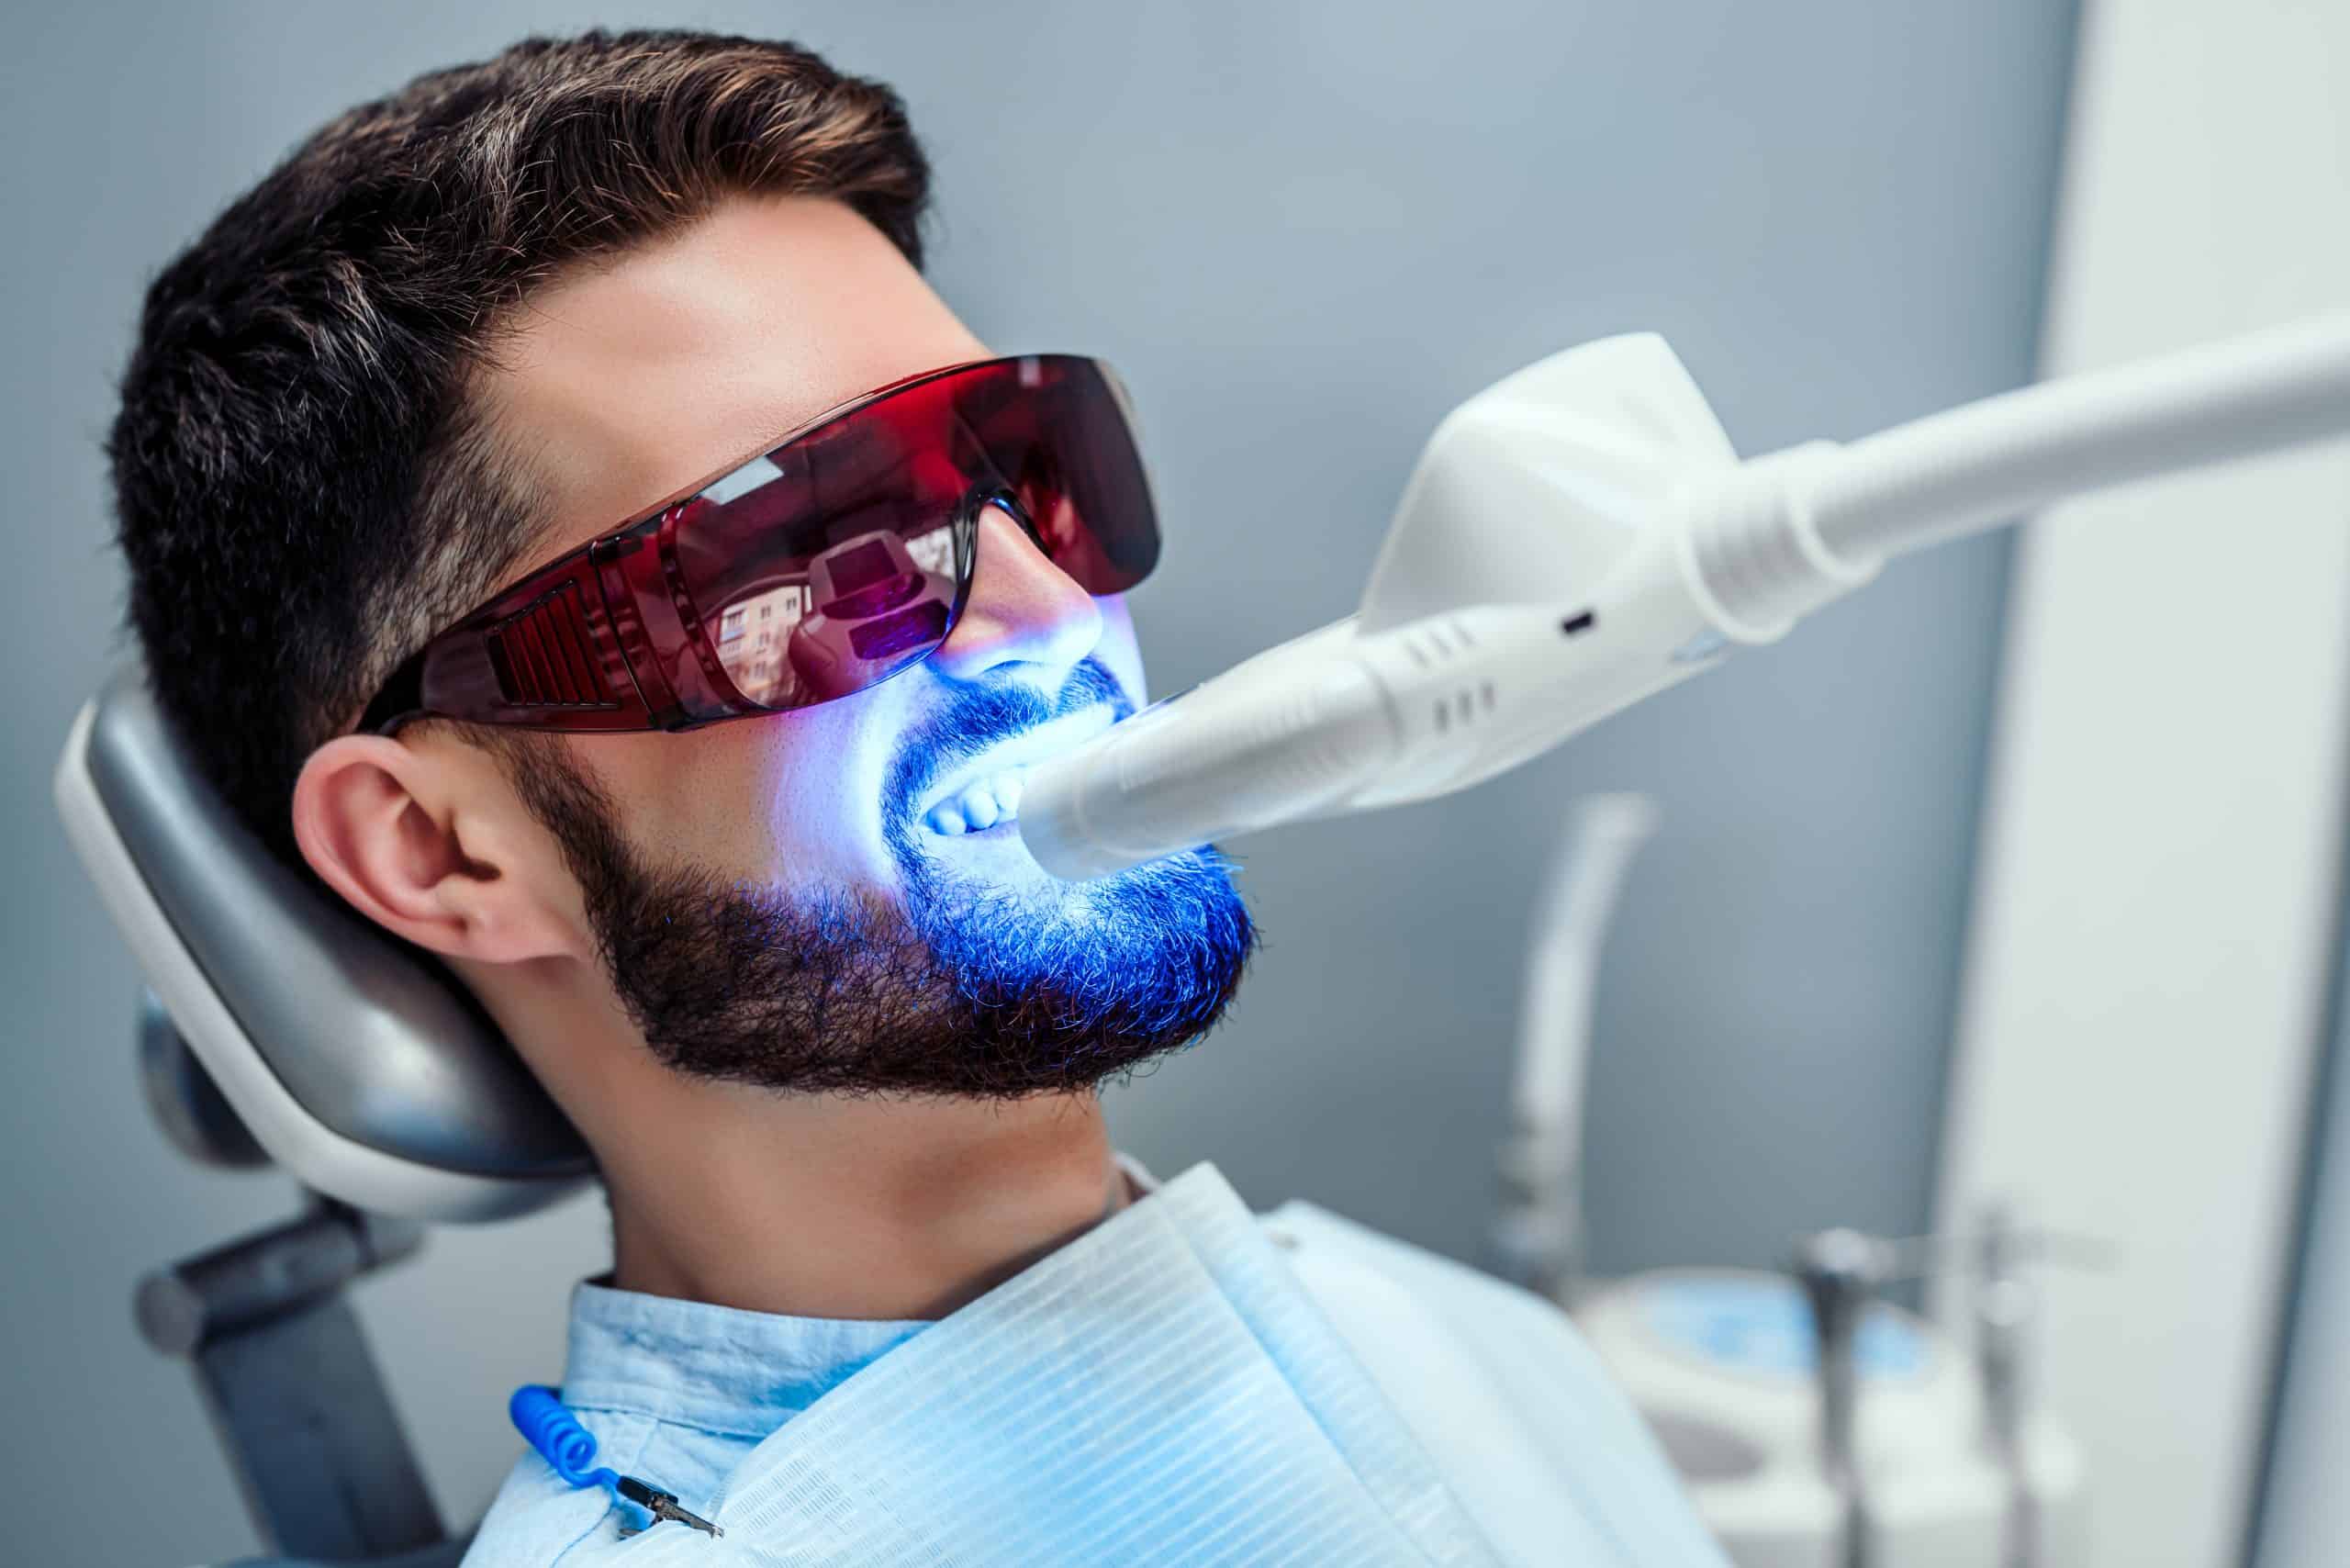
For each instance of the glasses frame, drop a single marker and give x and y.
(605, 638)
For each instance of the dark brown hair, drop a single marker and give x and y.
(303, 492)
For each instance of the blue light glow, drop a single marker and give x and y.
(1153, 951)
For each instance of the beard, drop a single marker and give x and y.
(966, 988)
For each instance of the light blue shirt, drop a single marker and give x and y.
(1516, 1413)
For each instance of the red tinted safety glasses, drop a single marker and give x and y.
(822, 567)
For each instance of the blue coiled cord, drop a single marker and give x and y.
(548, 1426)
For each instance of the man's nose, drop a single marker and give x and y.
(1021, 608)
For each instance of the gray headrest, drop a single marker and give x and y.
(355, 1060)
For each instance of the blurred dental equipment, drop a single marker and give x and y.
(1819, 1426)
(1537, 1239)
(1582, 534)
(1814, 1424)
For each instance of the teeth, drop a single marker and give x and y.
(980, 805)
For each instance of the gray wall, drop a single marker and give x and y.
(1304, 230)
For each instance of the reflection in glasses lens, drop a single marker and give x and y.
(860, 611)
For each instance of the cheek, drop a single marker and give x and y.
(788, 802)
(1117, 651)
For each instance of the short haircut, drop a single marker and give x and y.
(304, 487)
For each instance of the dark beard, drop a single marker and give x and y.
(969, 990)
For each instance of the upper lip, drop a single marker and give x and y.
(1048, 739)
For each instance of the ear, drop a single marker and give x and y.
(429, 840)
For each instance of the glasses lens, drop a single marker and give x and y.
(1058, 430)
(839, 558)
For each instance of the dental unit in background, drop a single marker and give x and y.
(1817, 1425)
(1537, 1239)
(1583, 534)
(1814, 1424)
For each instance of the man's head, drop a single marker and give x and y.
(467, 329)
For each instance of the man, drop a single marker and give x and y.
(516, 431)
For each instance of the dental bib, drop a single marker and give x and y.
(1160, 1391)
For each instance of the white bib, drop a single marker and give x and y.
(1160, 1391)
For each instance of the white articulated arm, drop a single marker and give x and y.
(1583, 534)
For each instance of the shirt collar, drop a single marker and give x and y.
(721, 1368)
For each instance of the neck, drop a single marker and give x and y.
(823, 1206)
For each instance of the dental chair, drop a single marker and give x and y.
(281, 1027)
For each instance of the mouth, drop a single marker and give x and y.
(983, 792)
